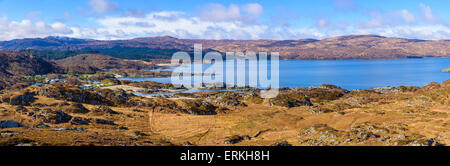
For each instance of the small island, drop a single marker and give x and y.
(447, 70)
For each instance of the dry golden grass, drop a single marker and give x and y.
(421, 115)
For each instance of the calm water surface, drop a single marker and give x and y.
(355, 74)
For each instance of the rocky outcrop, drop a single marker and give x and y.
(9, 124)
(80, 121)
(103, 110)
(236, 139)
(283, 143)
(322, 93)
(68, 92)
(75, 109)
(388, 89)
(227, 99)
(197, 107)
(64, 91)
(53, 117)
(289, 100)
(105, 122)
(324, 135)
(24, 99)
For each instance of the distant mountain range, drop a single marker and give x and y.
(343, 47)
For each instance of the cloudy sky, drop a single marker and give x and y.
(224, 19)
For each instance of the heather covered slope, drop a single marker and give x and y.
(15, 65)
(61, 114)
(102, 62)
(343, 47)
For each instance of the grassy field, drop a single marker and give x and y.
(402, 118)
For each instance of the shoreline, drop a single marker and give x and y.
(380, 59)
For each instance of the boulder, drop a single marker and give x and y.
(105, 122)
(284, 143)
(80, 121)
(236, 139)
(69, 129)
(9, 124)
(41, 126)
(139, 134)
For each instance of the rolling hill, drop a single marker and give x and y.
(343, 47)
(15, 65)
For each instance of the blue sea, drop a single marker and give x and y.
(354, 74)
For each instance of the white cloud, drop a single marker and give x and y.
(427, 32)
(387, 19)
(102, 6)
(376, 21)
(218, 12)
(407, 16)
(27, 29)
(34, 15)
(253, 9)
(322, 23)
(178, 25)
(66, 17)
(230, 22)
(248, 13)
(134, 13)
(428, 13)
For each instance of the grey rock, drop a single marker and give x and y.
(60, 129)
(284, 143)
(388, 89)
(433, 142)
(41, 125)
(76, 128)
(234, 139)
(385, 138)
(25, 144)
(106, 122)
(139, 134)
(9, 124)
(402, 136)
(7, 134)
(80, 121)
(69, 129)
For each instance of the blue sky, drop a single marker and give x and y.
(224, 19)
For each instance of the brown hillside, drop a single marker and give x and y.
(15, 64)
(343, 47)
(91, 63)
